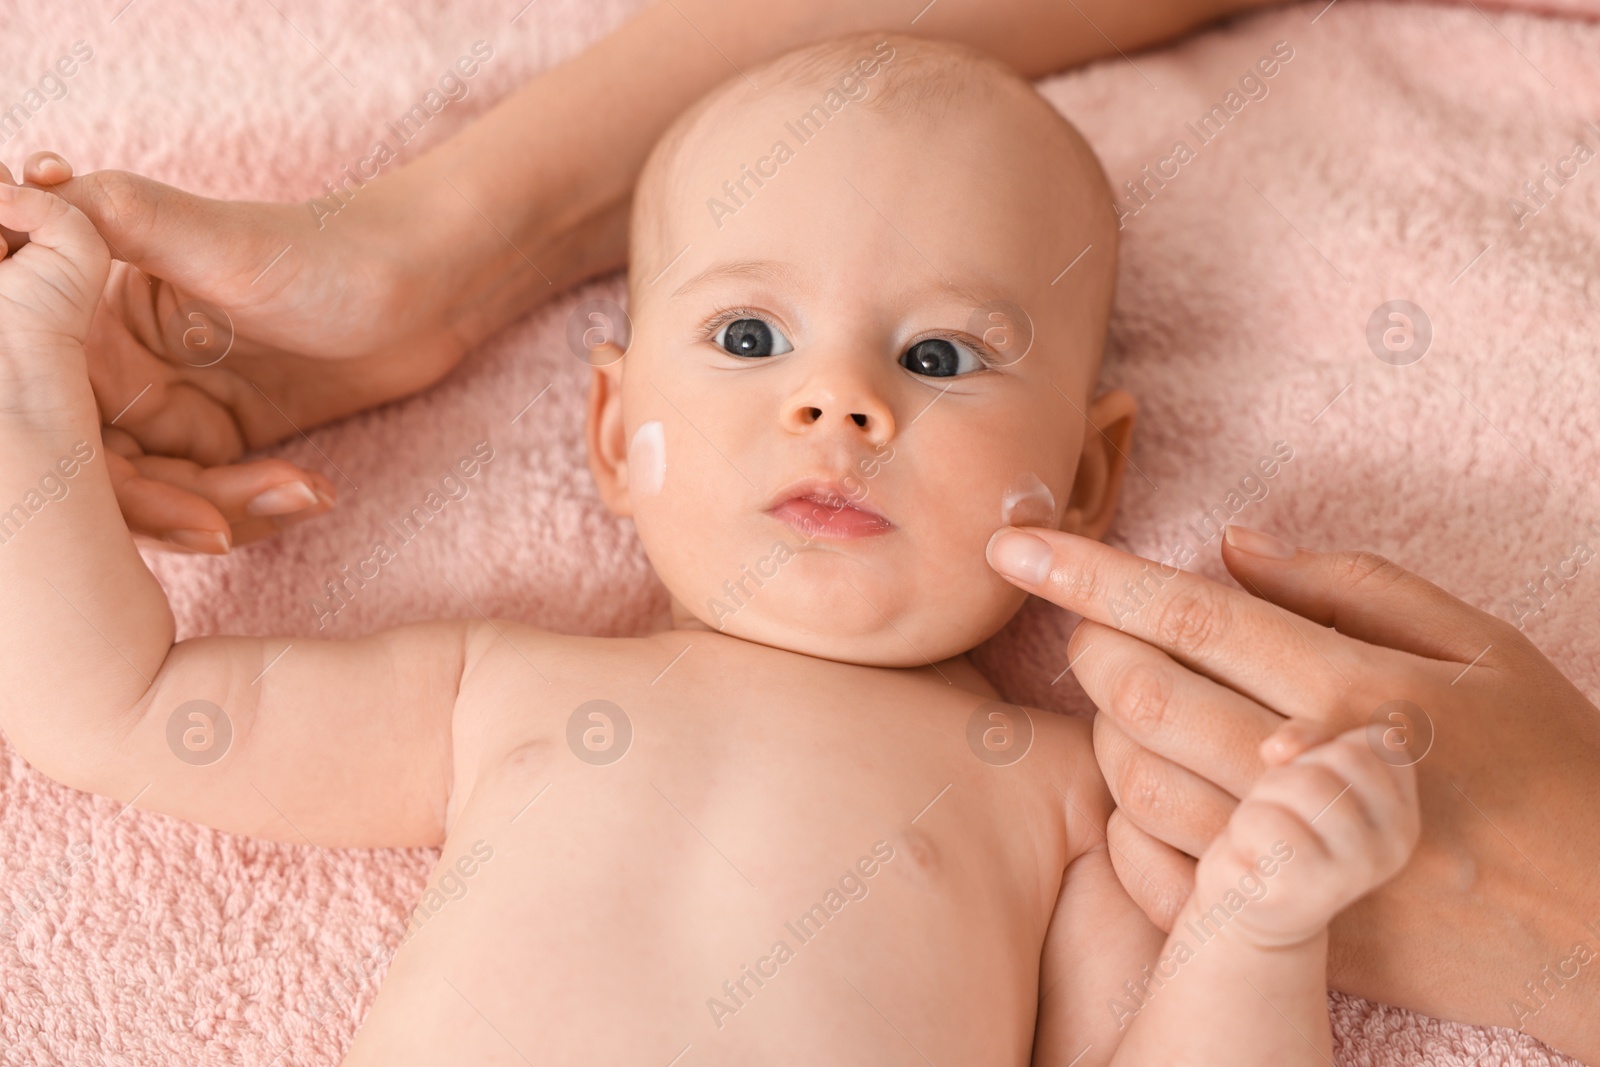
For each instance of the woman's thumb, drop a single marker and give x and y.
(1362, 595)
(122, 207)
(153, 226)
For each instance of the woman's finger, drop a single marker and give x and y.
(1362, 595)
(125, 207)
(46, 168)
(1281, 661)
(256, 499)
(164, 513)
(1167, 801)
(175, 418)
(1170, 710)
(261, 488)
(1157, 876)
(147, 399)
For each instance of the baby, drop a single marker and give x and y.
(798, 826)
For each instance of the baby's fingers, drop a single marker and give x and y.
(50, 222)
(1387, 791)
(10, 240)
(50, 287)
(41, 168)
(1293, 738)
(1362, 808)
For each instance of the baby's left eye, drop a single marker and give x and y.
(940, 358)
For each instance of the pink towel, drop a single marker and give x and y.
(1382, 161)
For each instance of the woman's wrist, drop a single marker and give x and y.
(532, 197)
(1559, 1002)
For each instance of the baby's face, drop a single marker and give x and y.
(841, 383)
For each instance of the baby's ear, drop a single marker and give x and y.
(1101, 464)
(607, 437)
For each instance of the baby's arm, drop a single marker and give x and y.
(1242, 978)
(342, 743)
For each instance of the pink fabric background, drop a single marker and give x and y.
(1383, 161)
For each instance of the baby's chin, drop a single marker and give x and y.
(851, 622)
(882, 647)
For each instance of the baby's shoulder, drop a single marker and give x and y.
(518, 677)
(521, 686)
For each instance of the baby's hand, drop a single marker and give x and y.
(1319, 830)
(49, 289)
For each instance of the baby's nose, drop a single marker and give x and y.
(855, 412)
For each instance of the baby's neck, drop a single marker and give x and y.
(958, 670)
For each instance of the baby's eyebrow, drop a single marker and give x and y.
(978, 294)
(761, 270)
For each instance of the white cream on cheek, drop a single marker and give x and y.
(647, 459)
(1027, 501)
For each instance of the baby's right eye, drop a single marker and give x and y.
(752, 338)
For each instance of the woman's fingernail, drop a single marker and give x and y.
(1257, 543)
(51, 161)
(1020, 556)
(325, 498)
(282, 499)
(210, 542)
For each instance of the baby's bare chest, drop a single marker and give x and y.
(783, 759)
(728, 855)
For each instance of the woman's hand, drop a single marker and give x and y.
(228, 326)
(1191, 677)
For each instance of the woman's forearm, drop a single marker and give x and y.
(533, 197)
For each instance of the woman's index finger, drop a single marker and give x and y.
(1273, 656)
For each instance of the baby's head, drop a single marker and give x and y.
(869, 289)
